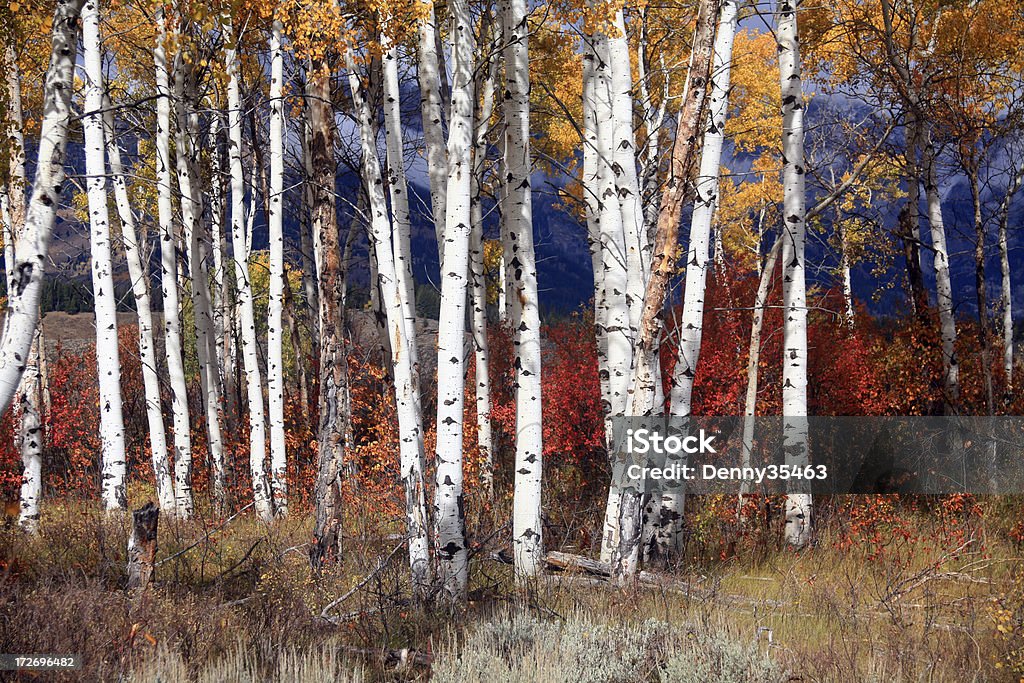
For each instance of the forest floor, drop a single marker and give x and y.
(238, 603)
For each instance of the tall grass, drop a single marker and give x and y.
(241, 605)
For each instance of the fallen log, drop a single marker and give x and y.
(566, 562)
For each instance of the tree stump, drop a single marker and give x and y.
(142, 546)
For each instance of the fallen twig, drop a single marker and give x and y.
(205, 537)
(380, 565)
(245, 557)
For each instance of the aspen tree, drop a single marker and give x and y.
(625, 559)
(669, 527)
(28, 401)
(623, 167)
(527, 527)
(482, 116)
(384, 233)
(334, 395)
(429, 75)
(398, 191)
(135, 256)
(108, 362)
(168, 277)
(240, 251)
(278, 281)
(25, 287)
(617, 332)
(798, 522)
(449, 513)
(1004, 272)
(219, 300)
(943, 281)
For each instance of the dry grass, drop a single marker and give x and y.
(241, 605)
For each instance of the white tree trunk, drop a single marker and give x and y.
(754, 359)
(1004, 271)
(187, 144)
(644, 379)
(247, 324)
(943, 283)
(29, 401)
(669, 527)
(275, 327)
(844, 266)
(8, 234)
(650, 163)
(410, 422)
(478, 281)
(108, 362)
(168, 278)
(653, 117)
(398, 190)
(502, 288)
(617, 332)
(627, 183)
(135, 255)
(592, 204)
(218, 281)
(527, 527)
(705, 203)
(429, 75)
(798, 523)
(449, 517)
(30, 248)
(614, 249)
(13, 195)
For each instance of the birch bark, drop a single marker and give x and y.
(669, 526)
(398, 190)
(247, 325)
(943, 283)
(30, 249)
(29, 400)
(278, 279)
(108, 362)
(623, 158)
(429, 75)
(1004, 272)
(625, 560)
(384, 233)
(135, 256)
(527, 527)
(478, 279)
(222, 310)
(617, 330)
(168, 277)
(449, 512)
(798, 524)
